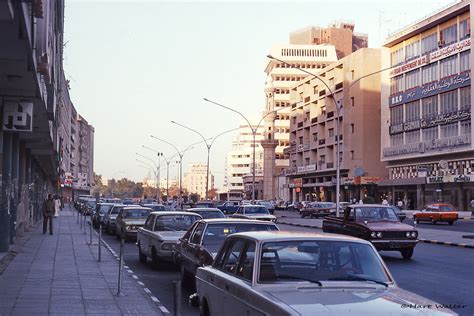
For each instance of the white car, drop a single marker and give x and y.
(254, 212)
(284, 273)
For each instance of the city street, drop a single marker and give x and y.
(432, 270)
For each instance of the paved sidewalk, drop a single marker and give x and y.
(60, 275)
(435, 236)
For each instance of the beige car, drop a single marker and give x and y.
(129, 220)
(284, 273)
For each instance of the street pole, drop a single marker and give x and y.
(167, 181)
(180, 181)
(254, 133)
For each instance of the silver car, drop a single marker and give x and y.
(258, 212)
(283, 273)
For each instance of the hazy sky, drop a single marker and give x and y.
(135, 66)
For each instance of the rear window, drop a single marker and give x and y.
(446, 208)
(175, 222)
(136, 213)
(215, 234)
(210, 214)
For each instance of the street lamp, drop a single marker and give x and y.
(254, 134)
(338, 104)
(157, 174)
(208, 146)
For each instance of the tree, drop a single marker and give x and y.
(212, 194)
(98, 186)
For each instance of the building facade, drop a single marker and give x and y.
(426, 111)
(311, 49)
(195, 179)
(314, 131)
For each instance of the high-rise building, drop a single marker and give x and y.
(195, 179)
(427, 131)
(311, 49)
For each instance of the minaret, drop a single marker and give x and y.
(269, 144)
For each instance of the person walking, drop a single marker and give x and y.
(57, 206)
(48, 212)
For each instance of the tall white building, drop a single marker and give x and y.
(240, 159)
(195, 179)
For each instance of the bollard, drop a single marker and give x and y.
(84, 224)
(177, 298)
(77, 217)
(119, 286)
(81, 221)
(100, 241)
(90, 232)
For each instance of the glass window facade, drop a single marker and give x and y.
(412, 51)
(396, 140)
(430, 133)
(429, 73)
(448, 102)
(466, 127)
(396, 84)
(465, 98)
(396, 115)
(448, 66)
(397, 57)
(412, 111)
(412, 79)
(449, 130)
(429, 43)
(464, 61)
(413, 136)
(449, 35)
(429, 107)
(464, 29)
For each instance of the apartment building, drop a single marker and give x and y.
(426, 111)
(194, 179)
(311, 49)
(315, 129)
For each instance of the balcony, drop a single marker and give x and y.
(300, 124)
(330, 165)
(314, 120)
(330, 115)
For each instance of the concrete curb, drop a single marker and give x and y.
(149, 294)
(444, 243)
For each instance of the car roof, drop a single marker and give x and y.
(175, 213)
(131, 207)
(252, 205)
(440, 204)
(107, 203)
(370, 205)
(207, 209)
(289, 236)
(148, 205)
(235, 220)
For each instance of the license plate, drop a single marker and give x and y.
(394, 245)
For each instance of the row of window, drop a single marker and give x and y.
(432, 72)
(430, 43)
(303, 66)
(304, 52)
(432, 133)
(288, 78)
(448, 102)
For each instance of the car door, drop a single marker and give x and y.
(144, 234)
(191, 248)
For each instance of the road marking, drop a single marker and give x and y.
(147, 290)
(141, 283)
(154, 299)
(164, 309)
(134, 276)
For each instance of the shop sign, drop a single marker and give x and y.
(18, 116)
(348, 180)
(369, 180)
(463, 178)
(433, 57)
(298, 182)
(450, 179)
(431, 145)
(307, 168)
(434, 180)
(439, 119)
(453, 82)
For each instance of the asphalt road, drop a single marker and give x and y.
(441, 273)
(461, 225)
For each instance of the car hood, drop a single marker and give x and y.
(134, 221)
(169, 235)
(258, 216)
(389, 226)
(358, 300)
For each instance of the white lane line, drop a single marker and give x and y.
(141, 283)
(147, 290)
(164, 310)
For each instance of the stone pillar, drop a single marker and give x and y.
(420, 196)
(269, 146)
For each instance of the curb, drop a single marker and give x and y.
(153, 298)
(427, 241)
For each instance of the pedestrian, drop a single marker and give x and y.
(384, 202)
(48, 212)
(57, 206)
(400, 203)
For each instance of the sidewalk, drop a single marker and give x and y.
(60, 275)
(434, 236)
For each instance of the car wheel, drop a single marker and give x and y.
(407, 253)
(451, 222)
(141, 256)
(302, 215)
(433, 221)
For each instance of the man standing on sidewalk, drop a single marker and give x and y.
(48, 212)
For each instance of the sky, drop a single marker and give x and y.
(134, 66)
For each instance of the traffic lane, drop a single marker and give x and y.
(461, 225)
(158, 280)
(440, 273)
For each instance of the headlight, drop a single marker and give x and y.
(373, 234)
(128, 227)
(408, 234)
(414, 234)
(167, 246)
(379, 235)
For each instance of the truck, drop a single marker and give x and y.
(229, 207)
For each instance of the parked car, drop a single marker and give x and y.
(376, 223)
(199, 246)
(401, 215)
(129, 220)
(99, 213)
(110, 217)
(162, 230)
(207, 212)
(284, 273)
(209, 204)
(254, 212)
(87, 206)
(155, 207)
(437, 212)
(318, 209)
(269, 205)
(229, 207)
(295, 206)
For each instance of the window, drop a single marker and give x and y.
(413, 137)
(412, 111)
(412, 51)
(429, 43)
(315, 137)
(196, 237)
(396, 115)
(448, 102)
(412, 79)
(465, 98)
(448, 66)
(430, 133)
(397, 57)
(396, 140)
(245, 269)
(464, 61)
(352, 101)
(449, 35)
(352, 128)
(149, 222)
(449, 130)
(429, 107)
(464, 29)
(230, 261)
(429, 73)
(331, 132)
(465, 127)
(352, 155)
(396, 84)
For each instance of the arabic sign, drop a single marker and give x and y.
(450, 178)
(307, 168)
(18, 116)
(449, 83)
(439, 119)
(431, 145)
(432, 57)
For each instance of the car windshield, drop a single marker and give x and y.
(446, 208)
(104, 209)
(256, 210)
(289, 261)
(115, 210)
(372, 214)
(90, 203)
(136, 213)
(209, 213)
(175, 222)
(215, 234)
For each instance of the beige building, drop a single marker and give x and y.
(312, 49)
(195, 179)
(426, 111)
(313, 130)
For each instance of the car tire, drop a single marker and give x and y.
(451, 222)
(302, 216)
(433, 221)
(407, 253)
(141, 256)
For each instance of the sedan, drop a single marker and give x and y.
(129, 220)
(207, 212)
(254, 212)
(100, 211)
(437, 212)
(283, 273)
(199, 246)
